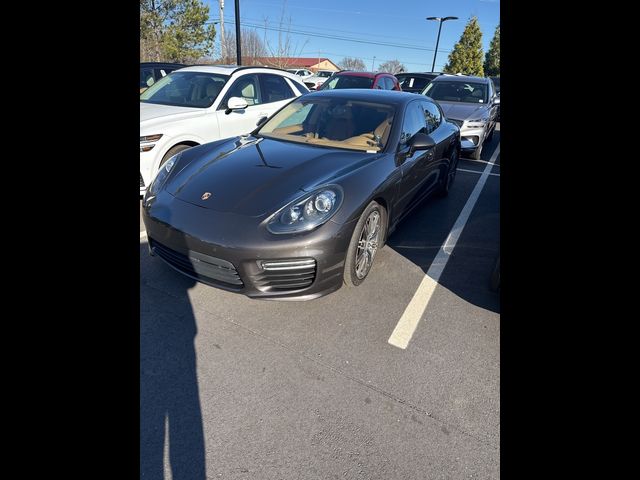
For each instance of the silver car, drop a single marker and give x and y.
(471, 103)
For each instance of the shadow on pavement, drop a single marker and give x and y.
(170, 410)
(468, 271)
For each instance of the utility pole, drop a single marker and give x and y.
(238, 49)
(223, 43)
(373, 63)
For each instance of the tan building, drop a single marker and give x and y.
(310, 63)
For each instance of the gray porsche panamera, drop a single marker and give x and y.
(299, 207)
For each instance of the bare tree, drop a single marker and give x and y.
(251, 44)
(392, 66)
(352, 63)
(285, 48)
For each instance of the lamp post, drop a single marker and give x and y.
(440, 19)
(238, 49)
(373, 63)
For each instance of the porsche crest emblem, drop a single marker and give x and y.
(205, 195)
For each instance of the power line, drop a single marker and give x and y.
(332, 37)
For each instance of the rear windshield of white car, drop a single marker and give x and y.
(186, 89)
(447, 91)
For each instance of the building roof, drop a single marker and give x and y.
(292, 62)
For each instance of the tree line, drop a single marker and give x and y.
(179, 31)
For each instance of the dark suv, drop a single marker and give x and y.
(350, 79)
(415, 82)
(151, 72)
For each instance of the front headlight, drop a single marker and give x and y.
(308, 212)
(476, 123)
(148, 142)
(162, 174)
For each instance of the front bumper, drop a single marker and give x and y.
(229, 251)
(471, 138)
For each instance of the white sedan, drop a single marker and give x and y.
(201, 104)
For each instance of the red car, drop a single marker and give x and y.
(349, 79)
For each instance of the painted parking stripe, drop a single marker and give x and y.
(413, 313)
(143, 235)
(479, 161)
(477, 171)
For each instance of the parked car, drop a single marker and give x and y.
(415, 82)
(496, 83)
(300, 206)
(301, 72)
(315, 81)
(471, 103)
(350, 79)
(151, 72)
(200, 104)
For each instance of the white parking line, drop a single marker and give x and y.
(143, 235)
(413, 313)
(476, 171)
(479, 161)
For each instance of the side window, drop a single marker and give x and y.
(389, 83)
(274, 88)
(301, 87)
(245, 87)
(146, 75)
(414, 122)
(379, 83)
(432, 116)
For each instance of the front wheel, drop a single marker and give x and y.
(367, 237)
(173, 151)
(447, 181)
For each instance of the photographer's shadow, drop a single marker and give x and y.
(170, 413)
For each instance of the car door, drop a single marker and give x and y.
(439, 133)
(264, 94)
(416, 171)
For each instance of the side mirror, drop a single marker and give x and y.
(236, 103)
(496, 100)
(261, 120)
(420, 141)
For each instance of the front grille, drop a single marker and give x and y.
(141, 181)
(198, 265)
(291, 274)
(457, 122)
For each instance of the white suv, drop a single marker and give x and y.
(200, 104)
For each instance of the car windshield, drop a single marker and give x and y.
(347, 81)
(411, 82)
(324, 74)
(451, 91)
(332, 122)
(186, 89)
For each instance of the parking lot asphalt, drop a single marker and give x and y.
(239, 388)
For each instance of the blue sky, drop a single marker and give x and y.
(401, 23)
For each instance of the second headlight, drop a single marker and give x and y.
(308, 212)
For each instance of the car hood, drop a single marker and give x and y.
(153, 113)
(463, 111)
(257, 176)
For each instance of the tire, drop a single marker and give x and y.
(449, 178)
(355, 272)
(475, 155)
(172, 151)
(490, 136)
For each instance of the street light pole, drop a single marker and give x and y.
(440, 19)
(372, 63)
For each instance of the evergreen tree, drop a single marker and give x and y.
(466, 57)
(175, 30)
(492, 60)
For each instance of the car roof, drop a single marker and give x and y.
(368, 95)
(460, 78)
(419, 74)
(159, 64)
(231, 69)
